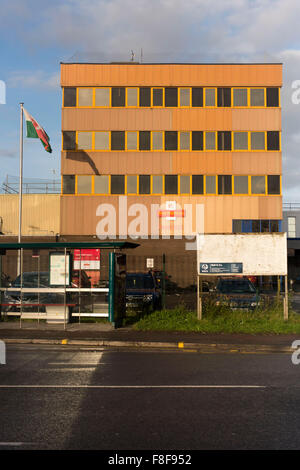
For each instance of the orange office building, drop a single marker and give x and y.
(144, 145)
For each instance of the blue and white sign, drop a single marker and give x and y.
(221, 268)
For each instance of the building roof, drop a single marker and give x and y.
(171, 63)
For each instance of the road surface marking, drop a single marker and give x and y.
(87, 364)
(63, 369)
(16, 444)
(133, 386)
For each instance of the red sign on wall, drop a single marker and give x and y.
(89, 257)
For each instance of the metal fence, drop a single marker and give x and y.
(31, 185)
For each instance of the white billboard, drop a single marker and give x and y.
(256, 254)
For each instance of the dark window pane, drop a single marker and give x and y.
(265, 226)
(197, 97)
(157, 97)
(171, 140)
(273, 140)
(144, 140)
(224, 97)
(197, 184)
(144, 184)
(171, 184)
(118, 96)
(117, 184)
(224, 184)
(197, 140)
(69, 96)
(145, 97)
(246, 226)
(274, 225)
(256, 226)
(224, 140)
(273, 184)
(117, 140)
(236, 226)
(68, 184)
(273, 97)
(69, 140)
(171, 97)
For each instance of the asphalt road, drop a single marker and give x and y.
(67, 398)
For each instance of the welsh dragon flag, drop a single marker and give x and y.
(35, 131)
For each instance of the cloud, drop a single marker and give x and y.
(34, 79)
(167, 31)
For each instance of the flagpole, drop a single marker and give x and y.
(20, 185)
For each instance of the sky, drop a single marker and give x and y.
(36, 35)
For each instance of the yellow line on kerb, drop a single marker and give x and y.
(64, 341)
(181, 345)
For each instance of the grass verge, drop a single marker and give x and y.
(221, 319)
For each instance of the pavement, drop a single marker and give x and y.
(105, 335)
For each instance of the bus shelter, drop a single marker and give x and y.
(64, 281)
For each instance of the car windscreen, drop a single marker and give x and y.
(139, 282)
(32, 280)
(235, 287)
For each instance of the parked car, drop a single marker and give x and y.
(33, 279)
(237, 293)
(142, 291)
(85, 280)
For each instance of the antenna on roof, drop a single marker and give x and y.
(132, 56)
(141, 55)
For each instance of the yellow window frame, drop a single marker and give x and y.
(125, 187)
(138, 96)
(76, 186)
(204, 142)
(232, 96)
(190, 96)
(233, 186)
(179, 185)
(131, 194)
(93, 141)
(162, 184)
(204, 97)
(108, 186)
(266, 142)
(265, 96)
(163, 96)
(179, 142)
(249, 142)
(232, 141)
(109, 142)
(151, 142)
(250, 188)
(93, 97)
(138, 182)
(137, 141)
(216, 186)
(105, 88)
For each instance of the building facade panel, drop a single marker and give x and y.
(267, 119)
(40, 214)
(106, 163)
(191, 119)
(256, 163)
(114, 119)
(171, 74)
(236, 163)
(79, 213)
